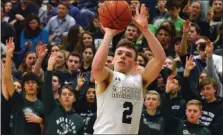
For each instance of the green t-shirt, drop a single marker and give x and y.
(22, 106)
(178, 24)
(153, 28)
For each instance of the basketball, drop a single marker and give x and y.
(115, 14)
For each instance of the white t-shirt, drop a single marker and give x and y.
(119, 107)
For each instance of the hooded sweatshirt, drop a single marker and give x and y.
(57, 120)
(151, 125)
(178, 126)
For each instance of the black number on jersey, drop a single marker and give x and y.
(127, 112)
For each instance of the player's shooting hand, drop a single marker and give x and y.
(33, 118)
(141, 19)
(111, 31)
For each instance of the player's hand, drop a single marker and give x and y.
(10, 46)
(111, 31)
(141, 19)
(209, 48)
(33, 118)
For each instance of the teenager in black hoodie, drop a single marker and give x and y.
(193, 113)
(151, 122)
(60, 117)
(212, 115)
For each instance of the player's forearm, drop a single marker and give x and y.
(183, 44)
(102, 52)
(155, 46)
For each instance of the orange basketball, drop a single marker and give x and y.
(115, 14)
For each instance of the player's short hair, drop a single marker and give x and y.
(153, 92)
(195, 102)
(127, 44)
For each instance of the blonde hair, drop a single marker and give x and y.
(195, 102)
(153, 92)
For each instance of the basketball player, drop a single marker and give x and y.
(120, 92)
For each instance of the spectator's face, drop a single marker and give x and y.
(141, 61)
(174, 13)
(217, 6)
(168, 63)
(73, 63)
(161, 4)
(87, 39)
(30, 59)
(160, 80)
(134, 4)
(88, 55)
(152, 101)
(192, 34)
(18, 87)
(108, 62)
(195, 9)
(202, 76)
(96, 23)
(8, 7)
(149, 54)
(55, 49)
(177, 47)
(33, 24)
(193, 113)
(62, 10)
(163, 37)
(67, 98)
(90, 95)
(31, 87)
(55, 83)
(61, 60)
(208, 92)
(131, 33)
(124, 59)
(200, 50)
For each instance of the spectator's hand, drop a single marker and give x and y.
(41, 50)
(189, 63)
(186, 26)
(209, 48)
(170, 84)
(33, 118)
(10, 46)
(52, 37)
(141, 19)
(52, 61)
(19, 17)
(80, 81)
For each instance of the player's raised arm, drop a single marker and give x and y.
(154, 66)
(99, 71)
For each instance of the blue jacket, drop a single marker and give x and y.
(43, 37)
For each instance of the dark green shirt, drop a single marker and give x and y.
(22, 106)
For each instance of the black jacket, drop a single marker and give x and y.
(151, 125)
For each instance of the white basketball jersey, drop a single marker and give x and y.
(119, 107)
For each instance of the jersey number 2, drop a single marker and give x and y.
(127, 112)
